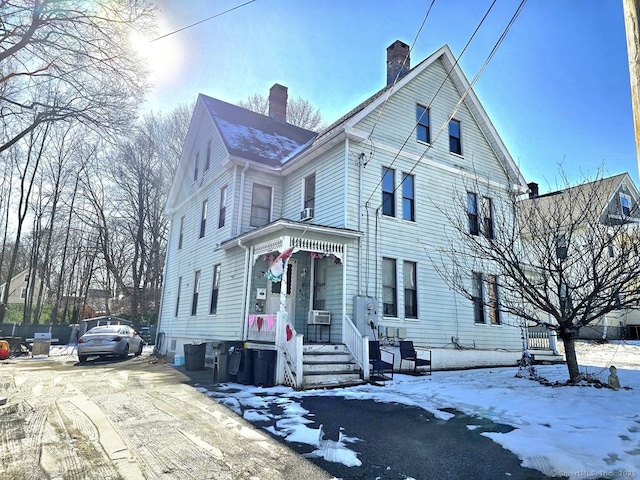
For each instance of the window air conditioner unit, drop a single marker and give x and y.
(306, 214)
(319, 317)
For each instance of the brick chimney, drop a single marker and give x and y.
(278, 103)
(398, 61)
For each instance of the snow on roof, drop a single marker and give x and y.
(256, 137)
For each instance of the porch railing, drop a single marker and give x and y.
(542, 340)
(357, 344)
(289, 346)
(262, 327)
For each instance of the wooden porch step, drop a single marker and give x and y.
(329, 365)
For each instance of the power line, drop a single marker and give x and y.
(201, 21)
(434, 96)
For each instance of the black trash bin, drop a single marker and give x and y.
(194, 356)
(245, 371)
(264, 368)
(227, 362)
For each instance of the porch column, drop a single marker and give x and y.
(344, 292)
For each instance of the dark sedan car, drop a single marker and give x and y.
(109, 340)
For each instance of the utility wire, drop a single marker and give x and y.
(463, 97)
(201, 21)
(395, 80)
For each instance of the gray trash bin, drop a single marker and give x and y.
(194, 356)
(227, 362)
(264, 368)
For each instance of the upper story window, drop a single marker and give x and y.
(310, 191)
(408, 197)
(181, 234)
(487, 217)
(196, 167)
(389, 288)
(23, 293)
(260, 205)
(562, 246)
(207, 159)
(455, 143)
(625, 204)
(223, 206)
(203, 217)
(388, 192)
(472, 213)
(423, 131)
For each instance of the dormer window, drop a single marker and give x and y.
(625, 204)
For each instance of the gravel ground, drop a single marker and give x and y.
(131, 419)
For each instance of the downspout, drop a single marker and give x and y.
(241, 200)
(245, 291)
(360, 168)
(157, 347)
(233, 199)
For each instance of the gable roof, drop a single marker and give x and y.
(592, 197)
(464, 89)
(252, 136)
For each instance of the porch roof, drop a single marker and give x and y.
(282, 225)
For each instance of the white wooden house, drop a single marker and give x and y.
(360, 206)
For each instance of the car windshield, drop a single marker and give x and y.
(106, 329)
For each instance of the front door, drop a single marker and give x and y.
(274, 289)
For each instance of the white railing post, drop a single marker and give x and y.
(299, 373)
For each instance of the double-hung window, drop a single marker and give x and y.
(181, 234)
(455, 143)
(494, 299)
(477, 297)
(223, 206)
(178, 295)
(389, 288)
(410, 290)
(472, 213)
(320, 283)
(260, 205)
(625, 204)
(309, 191)
(388, 192)
(423, 131)
(196, 167)
(207, 160)
(196, 292)
(203, 218)
(487, 217)
(408, 197)
(215, 287)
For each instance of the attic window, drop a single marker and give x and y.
(455, 143)
(625, 204)
(422, 127)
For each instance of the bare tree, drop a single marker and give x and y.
(69, 60)
(299, 111)
(561, 261)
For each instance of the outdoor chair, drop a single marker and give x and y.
(379, 366)
(409, 352)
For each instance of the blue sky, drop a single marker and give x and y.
(557, 90)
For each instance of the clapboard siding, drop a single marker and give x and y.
(329, 199)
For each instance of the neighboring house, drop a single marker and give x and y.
(20, 287)
(355, 208)
(606, 202)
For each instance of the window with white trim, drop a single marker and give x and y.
(178, 295)
(309, 191)
(388, 192)
(455, 139)
(625, 204)
(260, 205)
(408, 197)
(196, 293)
(203, 217)
(389, 288)
(423, 131)
(223, 207)
(410, 289)
(215, 288)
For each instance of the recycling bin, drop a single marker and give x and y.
(194, 356)
(264, 368)
(245, 370)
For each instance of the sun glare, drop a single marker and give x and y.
(161, 56)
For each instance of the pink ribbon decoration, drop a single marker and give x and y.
(271, 320)
(252, 318)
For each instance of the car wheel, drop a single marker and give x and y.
(139, 352)
(125, 354)
(82, 358)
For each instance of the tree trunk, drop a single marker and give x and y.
(572, 360)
